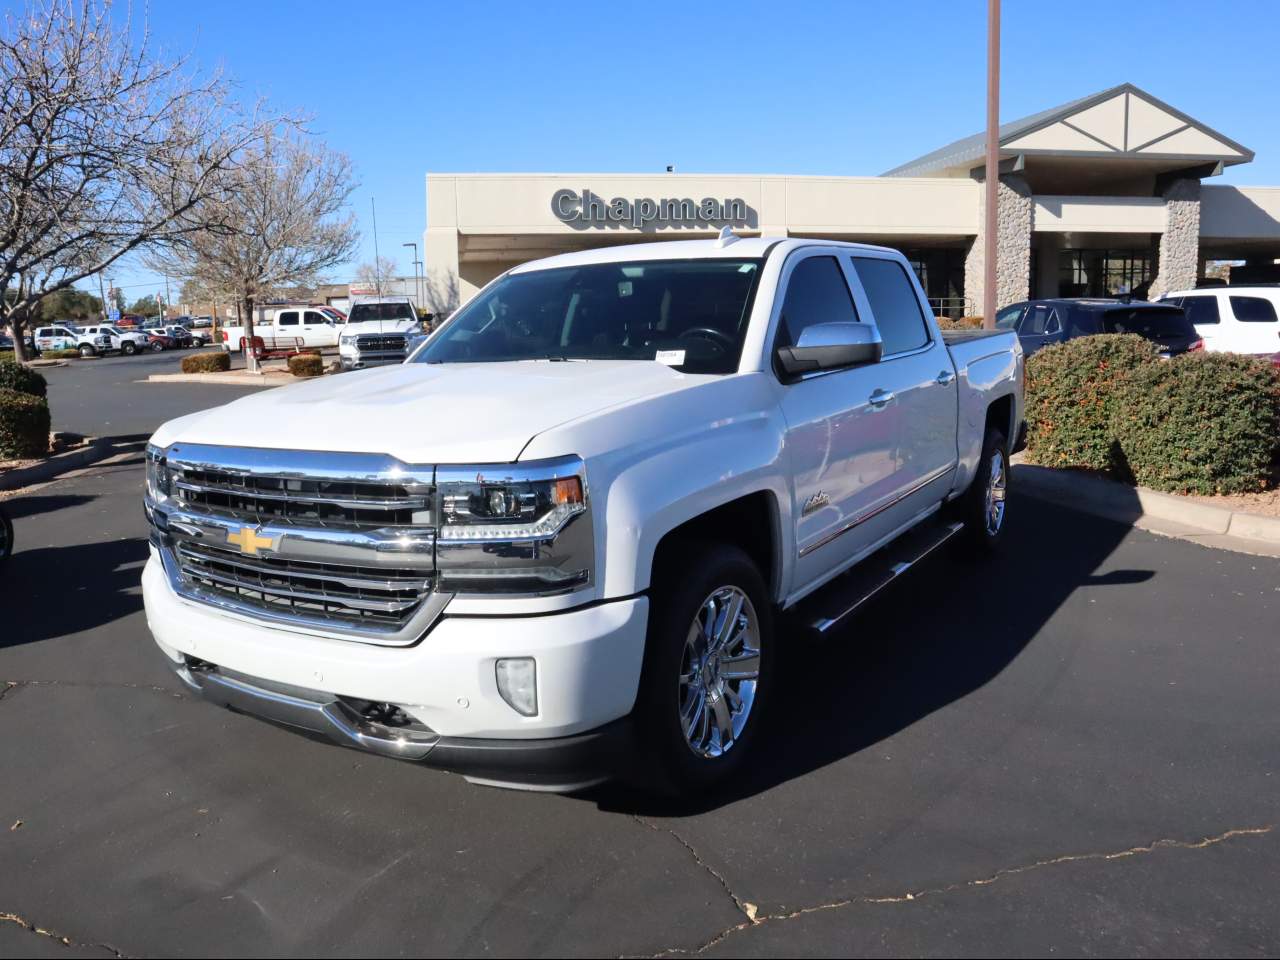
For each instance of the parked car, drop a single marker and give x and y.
(552, 548)
(158, 341)
(1235, 319)
(127, 342)
(67, 337)
(200, 323)
(1039, 323)
(182, 337)
(377, 332)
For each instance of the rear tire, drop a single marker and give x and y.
(982, 507)
(708, 667)
(157, 347)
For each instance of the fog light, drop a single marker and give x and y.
(518, 684)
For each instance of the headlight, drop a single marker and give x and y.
(514, 528)
(346, 339)
(158, 487)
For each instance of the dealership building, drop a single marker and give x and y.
(1109, 194)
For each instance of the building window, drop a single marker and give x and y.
(1104, 273)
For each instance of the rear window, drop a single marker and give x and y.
(1253, 310)
(1152, 324)
(364, 312)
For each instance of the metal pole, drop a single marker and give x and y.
(417, 294)
(377, 266)
(992, 184)
(102, 295)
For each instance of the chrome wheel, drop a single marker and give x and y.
(997, 484)
(719, 672)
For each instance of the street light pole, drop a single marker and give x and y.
(992, 182)
(417, 291)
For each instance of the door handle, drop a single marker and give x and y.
(881, 399)
(945, 377)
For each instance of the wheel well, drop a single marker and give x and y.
(1000, 414)
(750, 522)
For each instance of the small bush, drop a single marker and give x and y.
(24, 425)
(59, 354)
(1071, 392)
(15, 376)
(218, 362)
(964, 323)
(1202, 423)
(306, 365)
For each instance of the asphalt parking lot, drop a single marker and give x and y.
(1072, 749)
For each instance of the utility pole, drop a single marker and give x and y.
(992, 183)
(377, 264)
(417, 291)
(102, 295)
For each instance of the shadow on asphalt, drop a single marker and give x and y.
(940, 633)
(30, 506)
(57, 591)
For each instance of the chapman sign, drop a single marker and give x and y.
(590, 210)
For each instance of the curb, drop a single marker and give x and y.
(1118, 501)
(98, 448)
(227, 379)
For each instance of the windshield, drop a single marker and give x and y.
(690, 314)
(364, 312)
(1154, 324)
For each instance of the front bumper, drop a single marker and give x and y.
(588, 667)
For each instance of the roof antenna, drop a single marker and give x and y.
(727, 236)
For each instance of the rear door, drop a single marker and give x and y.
(1204, 312)
(1040, 326)
(1257, 328)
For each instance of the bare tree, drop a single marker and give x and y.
(106, 148)
(285, 222)
(376, 273)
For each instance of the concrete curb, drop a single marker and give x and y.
(227, 379)
(97, 448)
(1118, 501)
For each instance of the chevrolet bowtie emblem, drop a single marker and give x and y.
(249, 540)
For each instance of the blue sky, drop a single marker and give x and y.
(847, 88)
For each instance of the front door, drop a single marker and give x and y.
(842, 438)
(318, 330)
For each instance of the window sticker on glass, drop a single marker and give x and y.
(672, 358)
(624, 288)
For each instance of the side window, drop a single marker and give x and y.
(289, 319)
(1007, 319)
(1040, 320)
(1053, 326)
(312, 317)
(816, 293)
(1253, 310)
(894, 304)
(1201, 310)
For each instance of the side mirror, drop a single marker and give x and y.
(830, 346)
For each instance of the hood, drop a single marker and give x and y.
(428, 413)
(378, 326)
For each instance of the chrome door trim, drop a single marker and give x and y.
(876, 511)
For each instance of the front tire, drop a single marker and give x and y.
(157, 347)
(87, 351)
(128, 348)
(708, 666)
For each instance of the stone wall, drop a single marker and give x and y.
(1014, 208)
(1180, 242)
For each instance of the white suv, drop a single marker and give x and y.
(1233, 319)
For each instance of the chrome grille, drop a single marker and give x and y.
(294, 500)
(380, 343)
(337, 592)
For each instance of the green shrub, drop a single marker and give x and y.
(15, 376)
(1071, 393)
(218, 362)
(1202, 423)
(24, 425)
(306, 365)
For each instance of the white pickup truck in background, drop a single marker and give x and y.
(566, 540)
(378, 331)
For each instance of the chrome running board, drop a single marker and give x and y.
(830, 606)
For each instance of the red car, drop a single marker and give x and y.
(159, 341)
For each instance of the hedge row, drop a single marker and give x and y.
(24, 425)
(306, 365)
(15, 376)
(1203, 423)
(219, 362)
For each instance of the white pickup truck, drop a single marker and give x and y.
(567, 538)
(378, 331)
